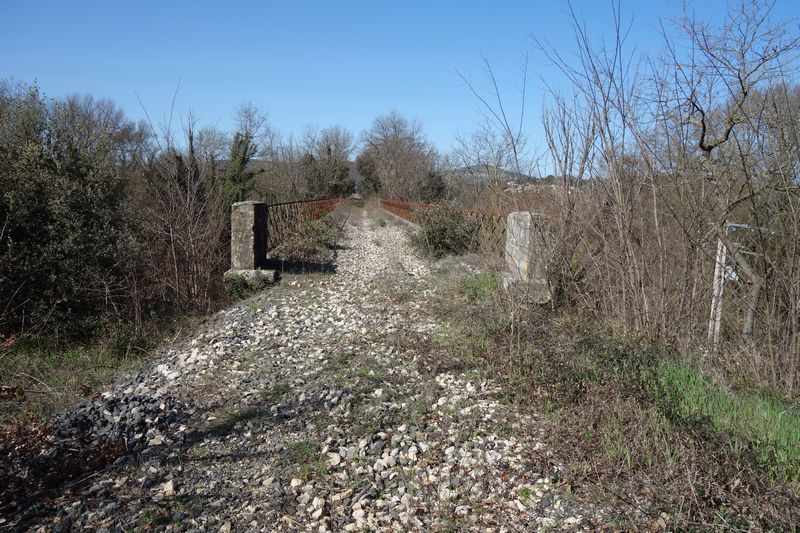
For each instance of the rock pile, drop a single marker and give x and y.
(133, 420)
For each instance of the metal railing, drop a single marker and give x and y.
(492, 223)
(403, 209)
(284, 218)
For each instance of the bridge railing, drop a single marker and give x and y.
(492, 222)
(257, 227)
(403, 209)
(284, 218)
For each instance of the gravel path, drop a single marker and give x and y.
(318, 406)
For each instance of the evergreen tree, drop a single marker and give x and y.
(238, 180)
(368, 168)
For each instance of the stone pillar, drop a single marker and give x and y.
(526, 255)
(248, 235)
(249, 246)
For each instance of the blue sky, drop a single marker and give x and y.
(309, 63)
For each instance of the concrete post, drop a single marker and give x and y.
(249, 246)
(527, 255)
(248, 235)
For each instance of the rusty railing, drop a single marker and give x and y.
(403, 209)
(492, 222)
(285, 218)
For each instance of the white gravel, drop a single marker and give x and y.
(308, 411)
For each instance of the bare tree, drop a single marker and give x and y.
(403, 156)
(675, 149)
(482, 157)
(510, 131)
(336, 143)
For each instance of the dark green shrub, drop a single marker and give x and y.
(445, 230)
(62, 227)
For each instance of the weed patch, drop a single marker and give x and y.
(628, 418)
(445, 230)
(305, 457)
(48, 378)
(768, 426)
(479, 287)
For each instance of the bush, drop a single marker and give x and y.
(445, 230)
(98, 225)
(62, 227)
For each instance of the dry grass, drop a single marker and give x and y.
(631, 420)
(42, 377)
(47, 379)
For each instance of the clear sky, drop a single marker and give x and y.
(308, 63)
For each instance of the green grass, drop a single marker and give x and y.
(460, 341)
(479, 287)
(304, 456)
(751, 420)
(53, 378)
(54, 375)
(632, 416)
(768, 425)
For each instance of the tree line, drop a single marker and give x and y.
(106, 222)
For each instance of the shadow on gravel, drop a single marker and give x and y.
(236, 422)
(35, 468)
(40, 462)
(228, 425)
(300, 267)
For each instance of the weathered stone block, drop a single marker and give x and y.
(248, 235)
(527, 255)
(240, 283)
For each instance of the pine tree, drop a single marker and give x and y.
(238, 178)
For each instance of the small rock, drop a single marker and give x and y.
(168, 489)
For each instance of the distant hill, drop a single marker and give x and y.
(487, 173)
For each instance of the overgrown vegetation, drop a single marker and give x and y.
(658, 166)
(631, 418)
(41, 377)
(667, 358)
(109, 230)
(445, 230)
(768, 426)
